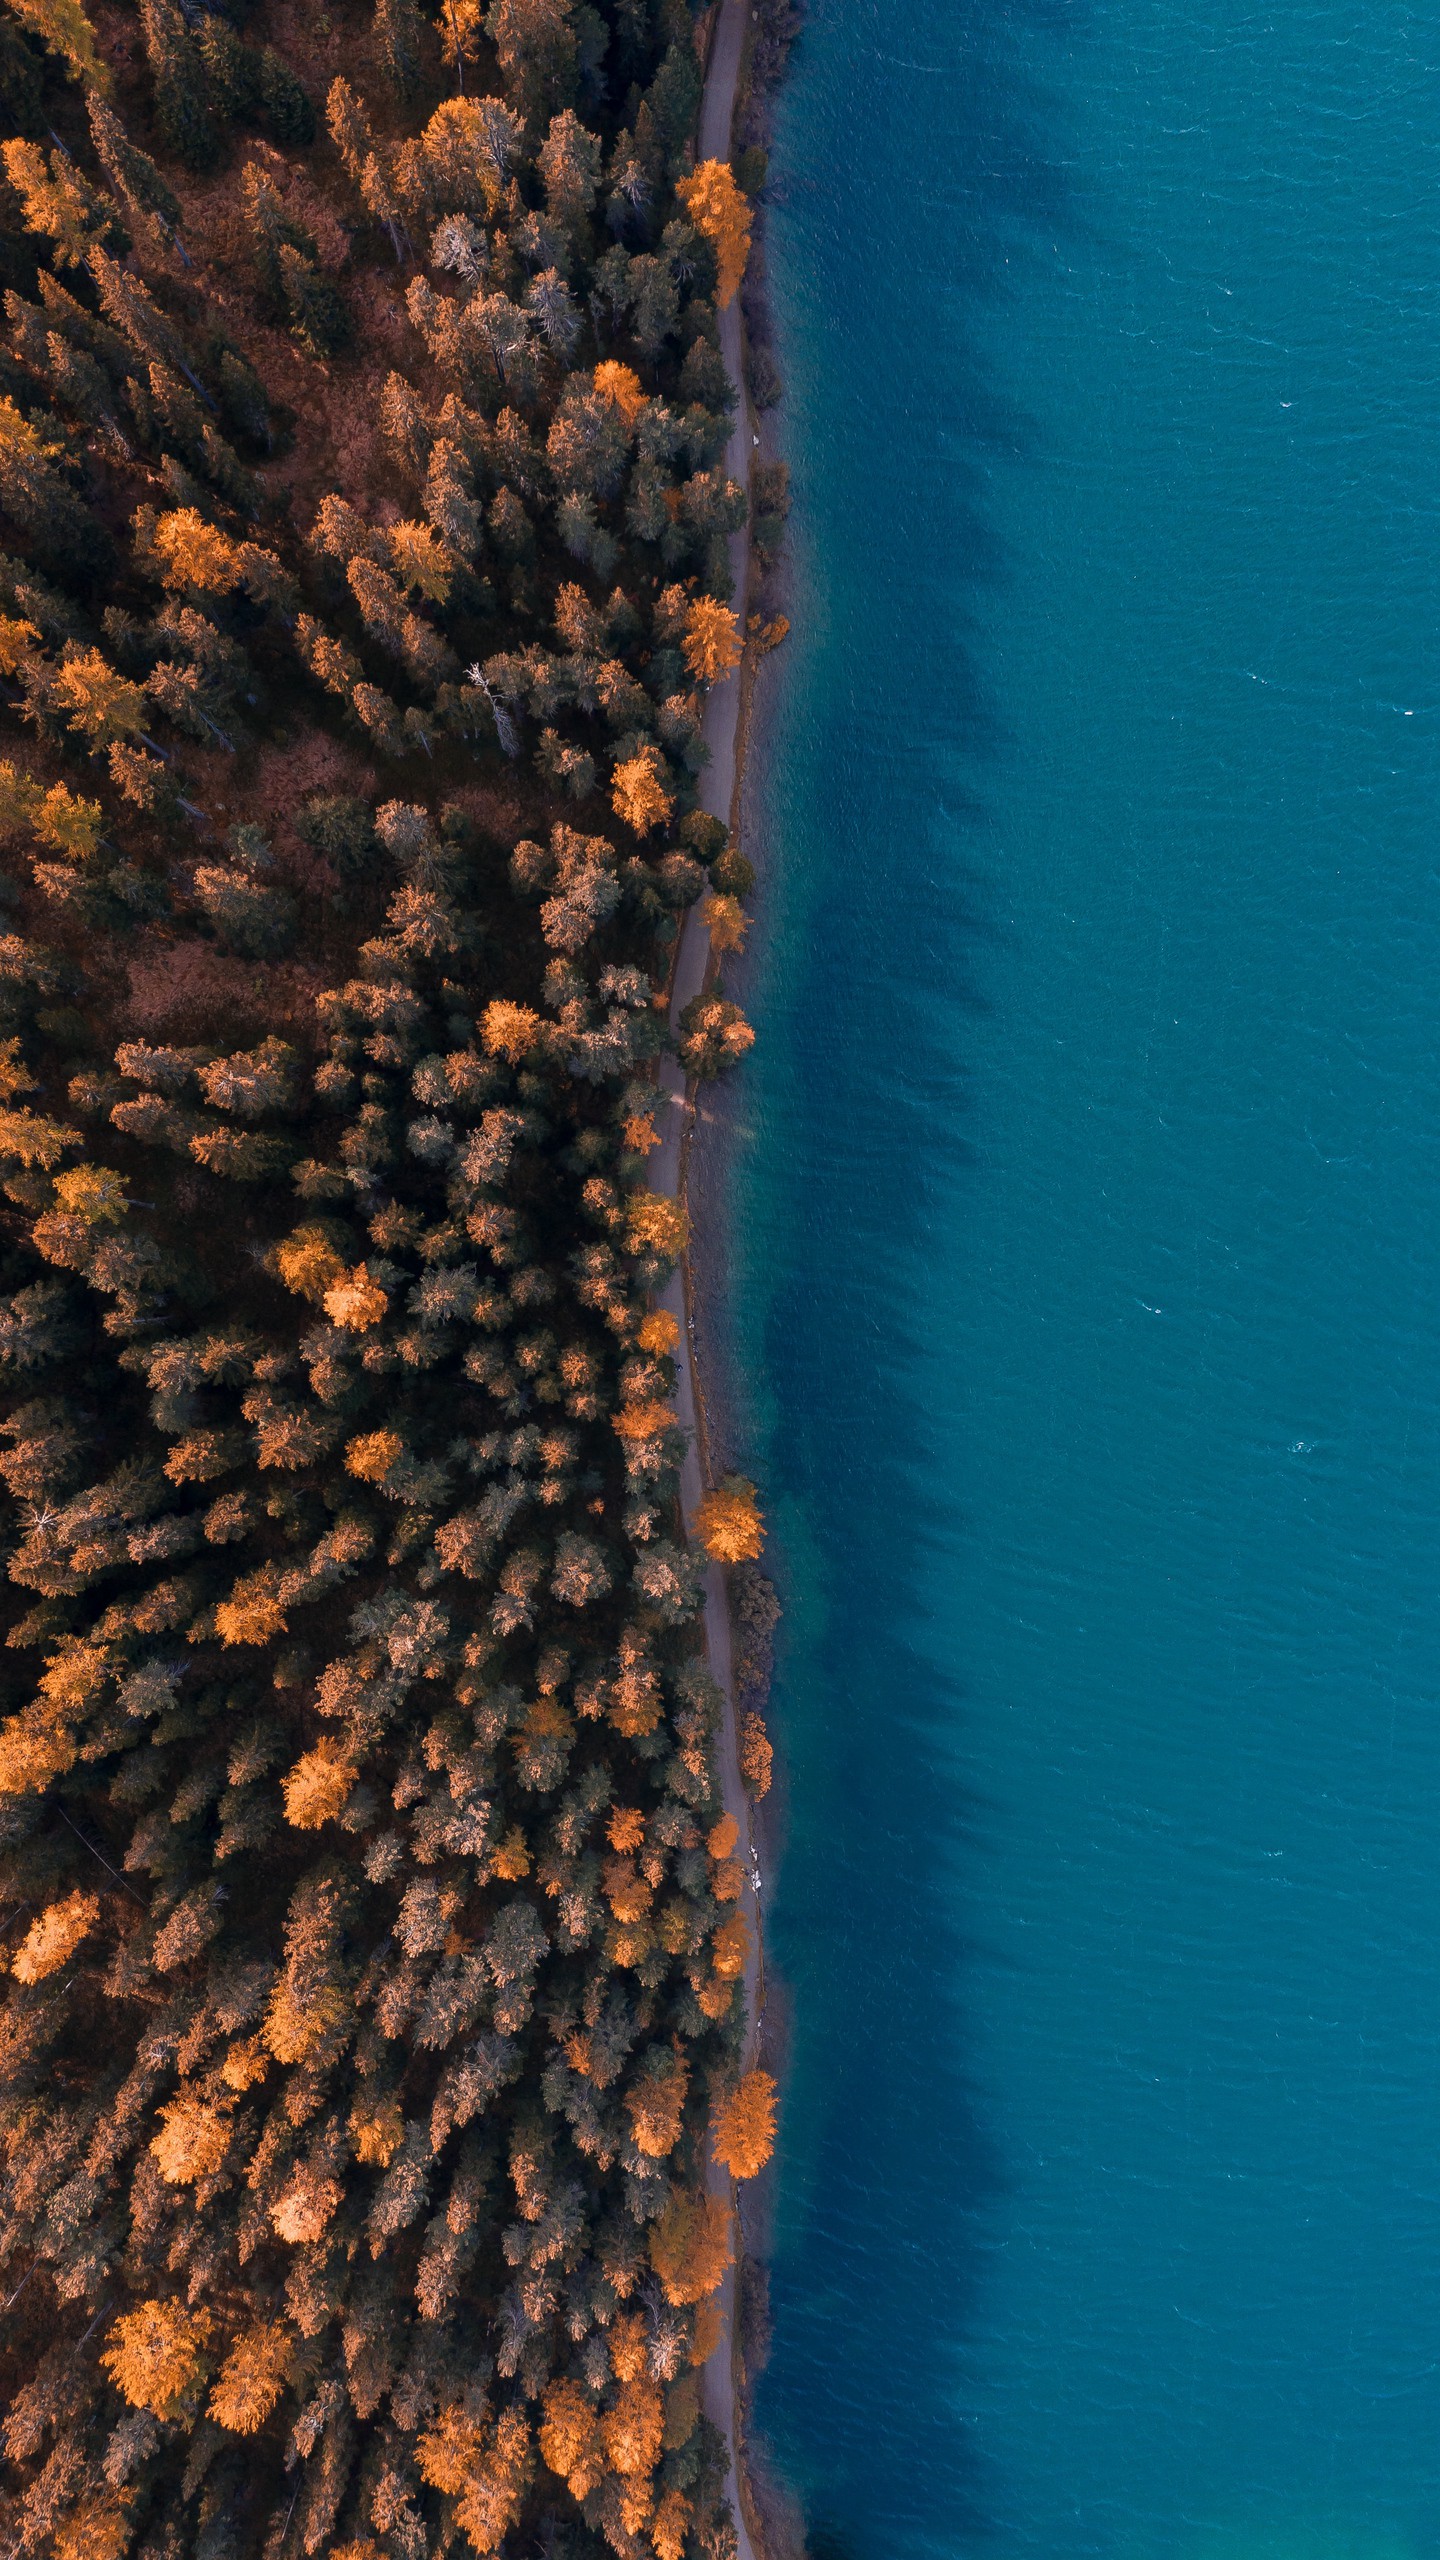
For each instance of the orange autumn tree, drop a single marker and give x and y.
(252, 2378)
(319, 1786)
(729, 1522)
(364, 1853)
(721, 212)
(726, 922)
(51, 1940)
(510, 1030)
(192, 2141)
(570, 2437)
(757, 1754)
(690, 2247)
(638, 792)
(712, 646)
(743, 2129)
(656, 2106)
(196, 554)
(63, 26)
(656, 1224)
(622, 387)
(155, 2353)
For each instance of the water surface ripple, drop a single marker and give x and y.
(1087, 1277)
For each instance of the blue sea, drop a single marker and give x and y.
(1086, 1279)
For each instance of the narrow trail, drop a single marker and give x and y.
(667, 1173)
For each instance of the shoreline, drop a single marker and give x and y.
(725, 727)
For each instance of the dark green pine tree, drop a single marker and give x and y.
(184, 100)
(317, 316)
(132, 171)
(285, 106)
(397, 26)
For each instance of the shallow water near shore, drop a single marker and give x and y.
(1086, 1271)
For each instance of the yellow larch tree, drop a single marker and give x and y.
(253, 1614)
(377, 2129)
(656, 2106)
(19, 643)
(51, 1940)
(102, 705)
(252, 2378)
(570, 2437)
(640, 1133)
(726, 922)
(296, 2024)
(492, 2499)
(756, 1754)
(155, 2353)
(305, 2208)
(192, 2140)
(622, 387)
(712, 646)
(373, 1454)
(94, 1193)
(55, 201)
(730, 1947)
(729, 1522)
(97, 2529)
(448, 2454)
(422, 560)
(319, 1786)
(356, 1302)
(509, 1030)
(64, 27)
(193, 553)
(654, 1223)
(670, 2525)
(638, 794)
(690, 2247)
(308, 1263)
(721, 213)
(742, 2133)
(633, 2428)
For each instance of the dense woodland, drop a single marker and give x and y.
(372, 1999)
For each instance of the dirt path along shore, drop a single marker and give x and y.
(667, 1171)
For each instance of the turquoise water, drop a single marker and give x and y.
(1089, 1274)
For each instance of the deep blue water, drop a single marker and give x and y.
(1088, 1279)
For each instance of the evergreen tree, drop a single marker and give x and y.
(535, 41)
(132, 171)
(286, 110)
(184, 100)
(242, 398)
(317, 315)
(64, 29)
(21, 85)
(397, 29)
(362, 1835)
(232, 72)
(38, 499)
(60, 204)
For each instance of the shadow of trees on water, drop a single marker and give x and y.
(918, 181)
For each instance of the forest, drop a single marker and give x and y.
(372, 2015)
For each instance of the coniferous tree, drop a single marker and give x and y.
(184, 98)
(65, 30)
(132, 171)
(397, 28)
(362, 1638)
